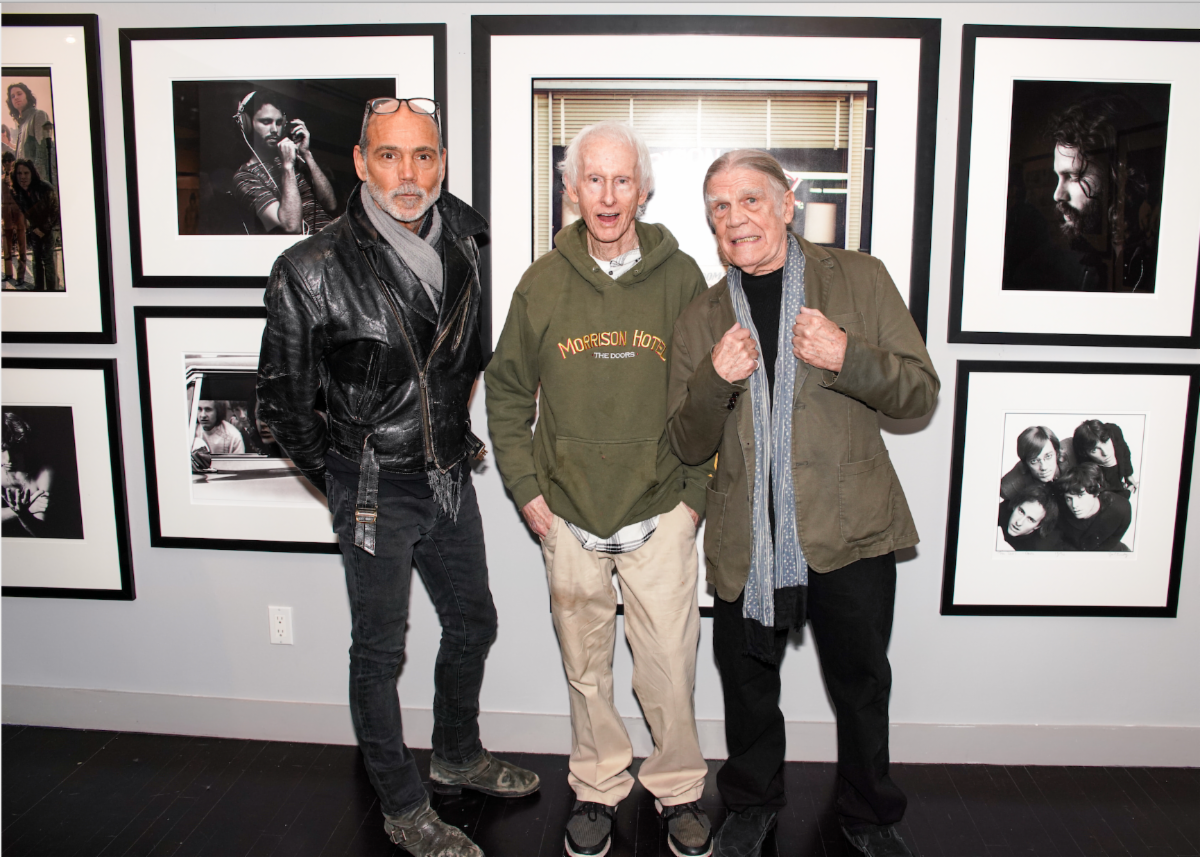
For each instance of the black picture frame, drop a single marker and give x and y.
(107, 541)
(255, 272)
(928, 31)
(982, 323)
(1158, 401)
(97, 325)
(178, 519)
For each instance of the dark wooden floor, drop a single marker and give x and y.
(68, 792)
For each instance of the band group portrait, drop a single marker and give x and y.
(267, 157)
(40, 474)
(1072, 484)
(1086, 164)
(33, 257)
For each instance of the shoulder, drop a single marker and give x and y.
(694, 318)
(549, 273)
(858, 268)
(310, 258)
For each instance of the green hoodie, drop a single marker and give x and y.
(598, 348)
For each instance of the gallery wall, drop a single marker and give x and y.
(191, 653)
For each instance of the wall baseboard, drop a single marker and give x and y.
(327, 723)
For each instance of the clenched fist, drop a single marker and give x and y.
(818, 341)
(735, 357)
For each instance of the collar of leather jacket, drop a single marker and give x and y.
(462, 220)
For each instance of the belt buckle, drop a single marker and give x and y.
(365, 515)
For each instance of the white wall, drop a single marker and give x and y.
(191, 653)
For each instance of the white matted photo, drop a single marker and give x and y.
(516, 58)
(1069, 488)
(198, 185)
(63, 517)
(58, 278)
(216, 478)
(1073, 219)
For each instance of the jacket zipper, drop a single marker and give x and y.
(427, 431)
(426, 420)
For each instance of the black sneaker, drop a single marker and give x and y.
(743, 833)
(877, 841)
(689, 833)
(589, 829)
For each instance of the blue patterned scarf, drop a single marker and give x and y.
(774, 564)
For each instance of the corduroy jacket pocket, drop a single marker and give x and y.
(714, 525)
(865, 501)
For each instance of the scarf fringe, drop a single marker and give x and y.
(447, 490)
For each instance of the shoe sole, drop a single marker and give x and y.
(567, 849)
(457, 789)
(679, 853)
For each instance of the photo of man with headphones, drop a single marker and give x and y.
(281, 185)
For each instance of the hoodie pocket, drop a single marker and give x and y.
(865, 504)
(604, 479)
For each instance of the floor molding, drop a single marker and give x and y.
(327, 723)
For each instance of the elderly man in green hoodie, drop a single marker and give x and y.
(598, 483)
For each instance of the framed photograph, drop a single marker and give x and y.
(261, 116)
(64, 525)
(1069, 488)
(1073, 223)
(847, 105)
(57, 284)
(215, 476)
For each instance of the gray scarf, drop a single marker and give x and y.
(782, 564)
(419, 254)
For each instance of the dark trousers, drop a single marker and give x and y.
(850, 612)
(451, 561)
(45, 274)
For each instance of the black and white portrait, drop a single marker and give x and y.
(1070, 482)
(233, 457)
(33, 253)
(40, 474)
(267, 157)
(1085, 186)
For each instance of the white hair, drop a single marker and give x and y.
(616, 132)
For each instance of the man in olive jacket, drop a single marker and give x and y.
(835, 334)
(584, 350)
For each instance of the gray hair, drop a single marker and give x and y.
(752, 159)
(617, 132)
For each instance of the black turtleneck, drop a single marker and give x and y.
(764, 294)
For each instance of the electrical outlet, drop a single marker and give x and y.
(281, 625)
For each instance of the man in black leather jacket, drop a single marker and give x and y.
(378, 316)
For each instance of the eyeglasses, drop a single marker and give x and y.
(424, 106)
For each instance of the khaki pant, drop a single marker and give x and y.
(662, 625)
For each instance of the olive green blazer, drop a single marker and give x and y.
(849, 503)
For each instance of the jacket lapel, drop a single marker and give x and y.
(457, 274)
(818, 275)
(721, 318)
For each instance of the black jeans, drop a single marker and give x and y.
(451, 561)
(850, 611)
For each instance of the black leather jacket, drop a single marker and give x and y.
(346, 317)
